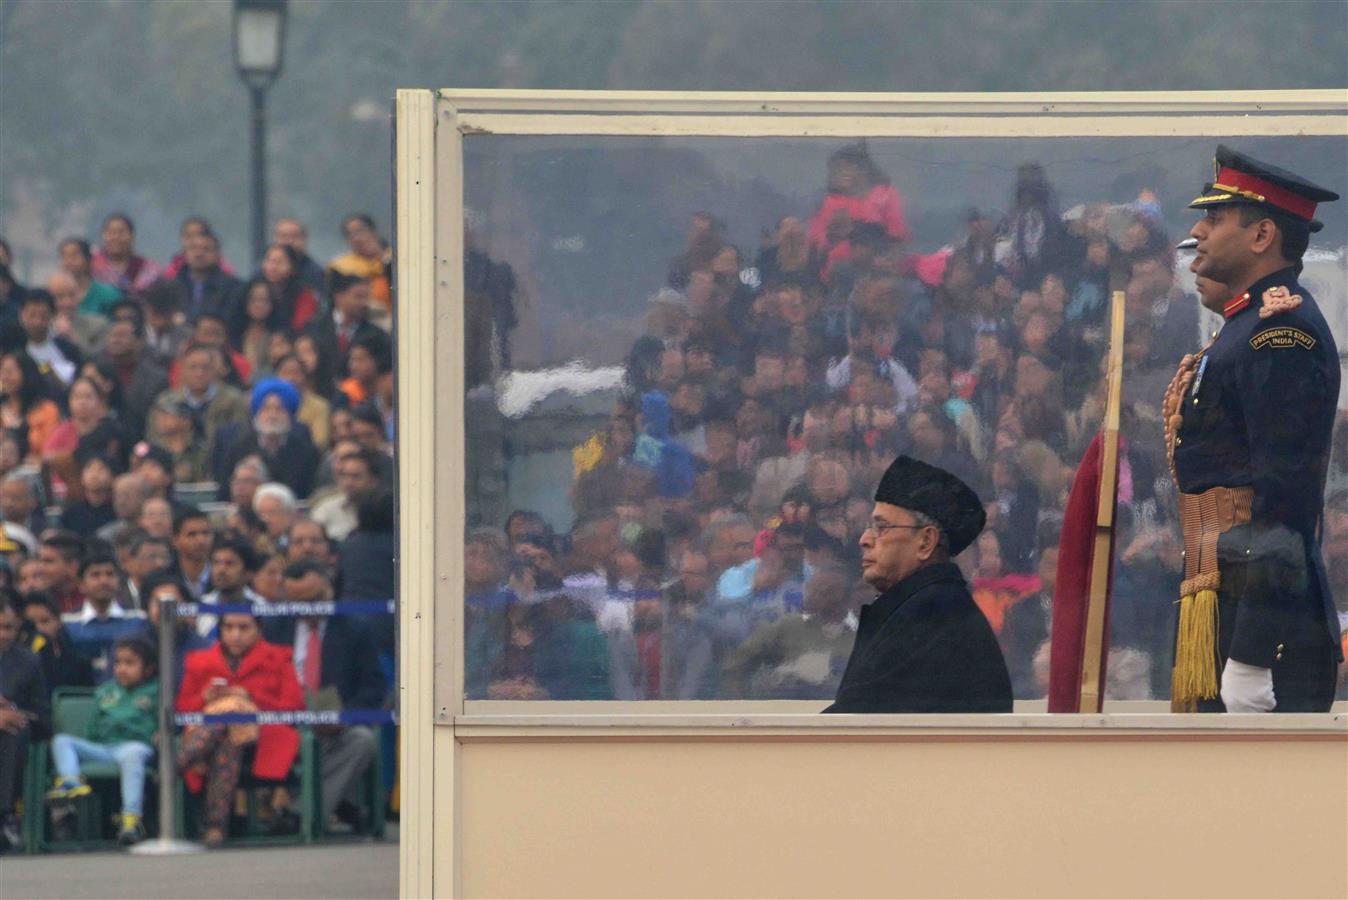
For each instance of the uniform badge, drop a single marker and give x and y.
(1282, 339)
(1279, 300)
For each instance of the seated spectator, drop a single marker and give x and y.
(139, 376)
(370, 356)
(315, 412)
(101, 621)
(154, 466)
(192, 539)
(293, 304)
(336, 663)
(212, 403)
(84, 330)
(179, 433)
(309, 540)
(239, 673)
(94, 509)
(250, 327)
(122, 731)
(48, 637)
(60, 553)
(319, 368)
(337, 333)
(209, 288)
(284, 446)
(233, 562)
(116, 261)
(21, 508)
(146, 555)
(30, 575)
(802, 654)
(25, 716)
(274, 504)
(858, 191)
(356, 476)
(211, 330)
(268, 582)
(96, 297)
(371, 428)
(156, 518)
(192, 227)
(58, 359)
(994, 589)
(25, 407)
(129, 493)
(292, 233)
(370, 258)
(249, 474)
(88, 405)
(166, 331)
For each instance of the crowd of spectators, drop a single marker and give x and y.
(182, 432)
(713, 553)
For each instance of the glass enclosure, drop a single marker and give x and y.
(689, 359)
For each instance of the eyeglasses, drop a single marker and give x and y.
(878, 528)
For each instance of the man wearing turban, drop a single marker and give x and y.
(922, 646)
(282, 443)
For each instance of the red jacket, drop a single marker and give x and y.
(267, 673)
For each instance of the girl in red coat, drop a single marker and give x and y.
(858, 191)
(240, 673)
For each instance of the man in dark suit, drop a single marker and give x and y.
(208, 287)
(923, 646)
(337, 665)
(349, 322)
(1248, 421)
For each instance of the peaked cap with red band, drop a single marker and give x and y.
(1240, 179)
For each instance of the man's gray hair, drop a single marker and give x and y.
(923, 520)
(279, 491)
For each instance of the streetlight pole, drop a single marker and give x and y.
(258, 96)
(259, 46)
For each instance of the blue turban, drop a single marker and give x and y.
(290, 398)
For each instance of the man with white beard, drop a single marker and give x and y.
(282, 444)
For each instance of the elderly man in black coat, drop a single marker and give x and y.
(922, 646)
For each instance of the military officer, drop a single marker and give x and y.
(922, 645)
(1248, 423)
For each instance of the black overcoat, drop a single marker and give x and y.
(923, 646)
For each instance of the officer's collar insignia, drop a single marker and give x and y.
(1235, 305)
(1278, 300)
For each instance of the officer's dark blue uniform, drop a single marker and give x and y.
(1257, 415)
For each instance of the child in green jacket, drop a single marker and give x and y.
(121, 731)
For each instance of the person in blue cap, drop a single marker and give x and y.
(923, 645)
(1247, 425)
(275, 436)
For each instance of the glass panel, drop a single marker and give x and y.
(690, 360)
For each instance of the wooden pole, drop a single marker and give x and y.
(1102, 556)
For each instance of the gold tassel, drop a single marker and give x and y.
(1195, 676)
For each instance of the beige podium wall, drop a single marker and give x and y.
(691, 800)
(902, 815)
